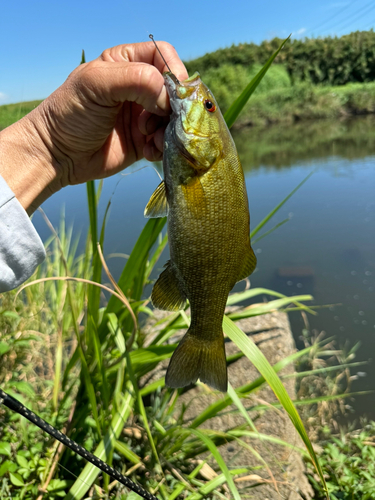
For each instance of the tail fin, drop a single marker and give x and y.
(198, 358)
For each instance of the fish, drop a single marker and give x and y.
(204, 196)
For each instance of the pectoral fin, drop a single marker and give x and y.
(167, 293)
(158, 204)
(248, 265)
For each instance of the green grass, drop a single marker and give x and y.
(46, 314)
(10, 113)
(304, 102)
(348, 461)
(79, 359)
(276, 102)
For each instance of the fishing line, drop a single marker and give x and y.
(161, 55)
(14, 405)
(124, 174)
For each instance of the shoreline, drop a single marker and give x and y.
(302, 102)
(305, 102)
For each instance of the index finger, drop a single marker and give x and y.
(146, 52)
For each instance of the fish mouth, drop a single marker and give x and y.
(186, 87)
(171, 83)
(180, 91)
(177, 92)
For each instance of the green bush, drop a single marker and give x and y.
(328, 60)
(305, 101)
(348, 463)
(228, 81)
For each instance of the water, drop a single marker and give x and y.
(329, 237)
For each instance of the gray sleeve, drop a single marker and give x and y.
(21, 249)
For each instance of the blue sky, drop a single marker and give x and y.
(41, 41)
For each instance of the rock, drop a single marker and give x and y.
(273, 336)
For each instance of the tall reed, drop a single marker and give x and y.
(99, 361)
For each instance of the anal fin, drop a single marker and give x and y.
(167, 293)
(248, 265)
(158, 204)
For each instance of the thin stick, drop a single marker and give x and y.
(14, 405)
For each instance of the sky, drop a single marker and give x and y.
(41, 41)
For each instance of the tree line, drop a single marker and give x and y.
(328, 60)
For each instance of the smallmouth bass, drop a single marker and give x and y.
(205, 198)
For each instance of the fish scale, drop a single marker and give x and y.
(204, 196)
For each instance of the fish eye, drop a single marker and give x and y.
(209, 105)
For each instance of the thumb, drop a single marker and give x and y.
(110, 84)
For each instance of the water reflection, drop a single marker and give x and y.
(286, 145)
(326, 248)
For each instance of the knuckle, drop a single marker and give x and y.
(106, 55)
(86, 78)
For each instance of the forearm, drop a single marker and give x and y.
(26, 164)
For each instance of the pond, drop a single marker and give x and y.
(327, 246)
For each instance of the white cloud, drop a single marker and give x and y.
(301, 31)
(3, 97)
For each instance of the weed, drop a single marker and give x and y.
(348, 462)
(84, 371)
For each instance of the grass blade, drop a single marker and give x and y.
(262, 365)
(236, 400)
(277, 208)
(87, 477)
(155, 257)
(244, 390)
(234, 298)
(142, 410)
(273, 305)
(127, 452)
(91, 200)
(235, 109)
(134, 269)
(216, 454)
(58, 367)
(270, 231)
(214, 483)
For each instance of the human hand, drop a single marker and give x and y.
(108, 114)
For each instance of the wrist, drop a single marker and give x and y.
(27, 165)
